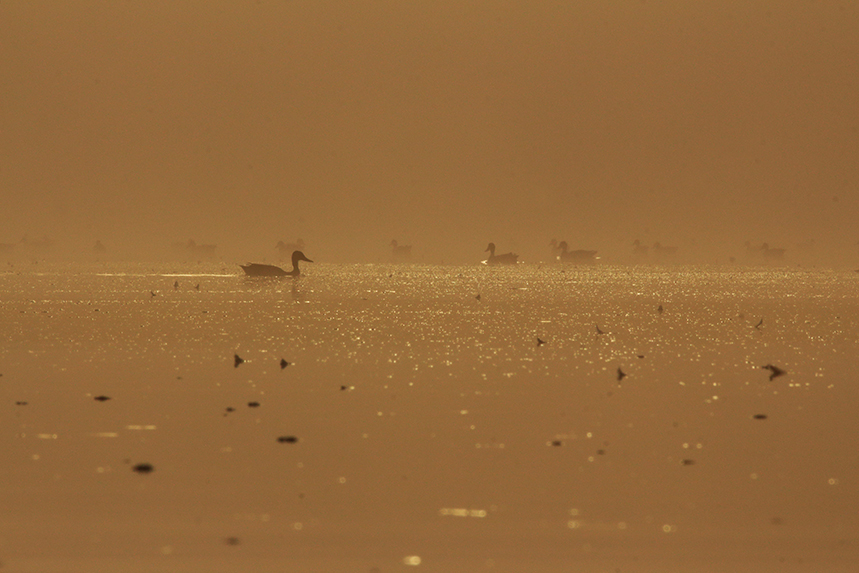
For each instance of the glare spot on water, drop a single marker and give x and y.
(411, 560)
(669, 528)
(833, 481)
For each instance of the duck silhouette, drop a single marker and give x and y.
(503, 259)
(576, 256)
(261, 270)
(400, 252)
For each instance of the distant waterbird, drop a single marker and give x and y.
(502, 259)
(283, 363)
(400, 252)
(620, 374)
(540, 342)
(576, 256)
(237, 360)
(598, 329)
(261, 270)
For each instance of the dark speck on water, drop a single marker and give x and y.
(102, 398)
(287, 439)
(687, 462)
(143, 468)
(237, 360)
(283, 363)
(253, 404)
(760, 416)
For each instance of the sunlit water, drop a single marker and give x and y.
(433, 432)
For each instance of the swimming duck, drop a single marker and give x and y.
(261, 270)
(577, 256)
(400, 252)
(504, 259)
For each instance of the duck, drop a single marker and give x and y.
(639, 249)
(261, 270)
(660, 249)
(577, 256)
(504, 259)
(771, 254)
(400, 252)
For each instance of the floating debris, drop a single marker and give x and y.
(232, 541)
(230, 409)
(639, 355)
(620, 374)
(774, 370)
(557, 443)
(478, 296)
(598, 329)
(197, 286)
(540, 342)
(660, 310)
(759, 324)
(101, 398)
(287, 439)
(253, 404)
(283, 363)
(143, 468)
(21, 403)
(176, 285)
(760, 417)
(687, 462)
(151, 293)
(238, 360)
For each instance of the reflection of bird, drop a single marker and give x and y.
(503, 259)
(774, 370)
(260, 270)
(400, 252)
(577, 256)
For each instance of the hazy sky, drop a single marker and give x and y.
(444, 124)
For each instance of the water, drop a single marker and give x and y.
(433, 432)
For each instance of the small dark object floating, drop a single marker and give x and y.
(230, 409)
(238, 360)
(760, 416)
(759, 324)
(287, 439)
(283, 363)
(477, 297)
(102, 398)
(598, 329)
(176, 285)
(600, 452)
(143, 468)
(774, 370)
(660, 310)
(20, 403)
(253, 404)
(540, 342)
(687, 462)
(620, 374)
(557, 443)
(232, 541)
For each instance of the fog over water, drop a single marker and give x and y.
(445, 125)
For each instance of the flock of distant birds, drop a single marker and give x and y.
(294, 251)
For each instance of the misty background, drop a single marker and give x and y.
(444, 125)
